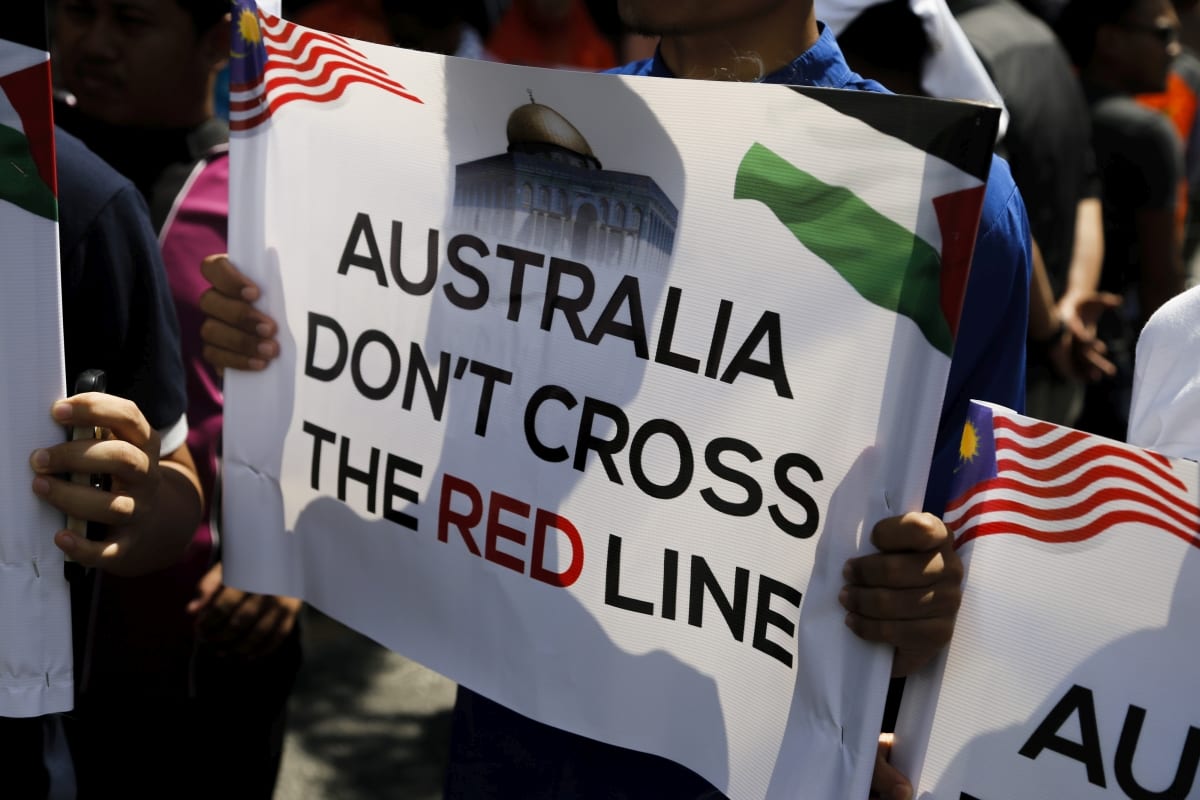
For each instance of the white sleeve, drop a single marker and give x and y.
(1164, 414)
(173, 437)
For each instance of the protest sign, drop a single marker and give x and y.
(35, 631)
(589, 385)
(1069, 673)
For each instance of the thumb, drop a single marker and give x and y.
(206, 590)
(105, 555)
(914, 532)
(886, 780)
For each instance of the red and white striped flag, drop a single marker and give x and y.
(274, 62)
(1029, 478)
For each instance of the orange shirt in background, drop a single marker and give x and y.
(573, 42)
(1181, 104)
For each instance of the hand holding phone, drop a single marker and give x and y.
(128, 508)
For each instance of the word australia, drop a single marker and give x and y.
(568, 292)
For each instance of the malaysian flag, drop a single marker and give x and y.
(274, 62)
(1024, 477)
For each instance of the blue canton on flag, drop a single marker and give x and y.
(976, 451)
(247, 52)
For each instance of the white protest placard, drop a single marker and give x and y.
(35, 626)
(1070, 672)
(589, 385)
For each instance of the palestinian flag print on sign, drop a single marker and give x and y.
(26, 129)
(865, 246)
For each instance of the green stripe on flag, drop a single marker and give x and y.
(885, 263)
(20, 182)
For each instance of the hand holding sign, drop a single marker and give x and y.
(908, 594)
(235, 335)
(252, 625)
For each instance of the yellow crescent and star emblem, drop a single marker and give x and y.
(968, 447)
(247, 25)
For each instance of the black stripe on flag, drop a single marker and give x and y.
(961, 134)
(24, 22)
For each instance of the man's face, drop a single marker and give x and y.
(1148, 41)
(132, 62)
(683, 17)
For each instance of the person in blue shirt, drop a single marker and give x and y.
(907, 594)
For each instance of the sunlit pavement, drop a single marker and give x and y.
(364, 723)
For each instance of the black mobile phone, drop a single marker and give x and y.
(91, 380)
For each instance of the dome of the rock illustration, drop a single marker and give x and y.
(534, 127)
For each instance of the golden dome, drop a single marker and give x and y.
(536, 124)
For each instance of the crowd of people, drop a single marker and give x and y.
(1089, 219)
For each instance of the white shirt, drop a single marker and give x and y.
(1165, 413)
